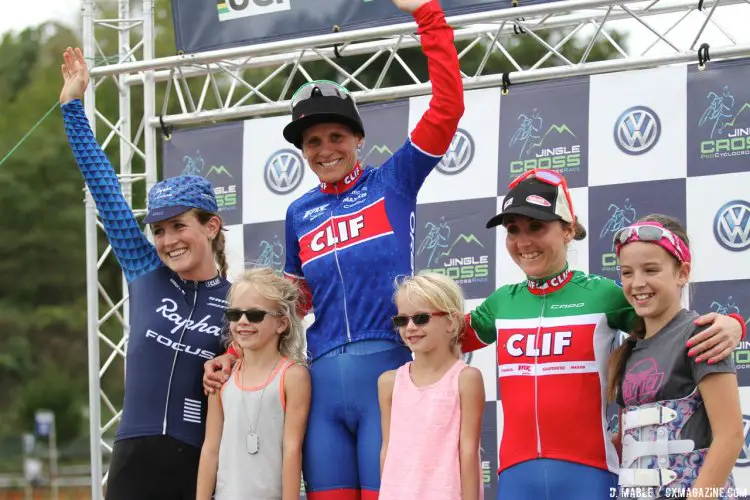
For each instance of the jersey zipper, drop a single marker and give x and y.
(341, 275)
(536, 379)
(174, 360)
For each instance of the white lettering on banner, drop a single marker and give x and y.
(167, 342)
(168, 311)
(344, 233)
(552, 344)
(528, 369)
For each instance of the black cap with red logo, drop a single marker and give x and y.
(538, 194)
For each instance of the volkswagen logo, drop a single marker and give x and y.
(744, 459)
(284, 170)
(732, 226)
(459, 154)
(637, 130)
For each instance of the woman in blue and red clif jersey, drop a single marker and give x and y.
(346, 242)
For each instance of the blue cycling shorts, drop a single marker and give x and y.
(546, 479)
(341, 456)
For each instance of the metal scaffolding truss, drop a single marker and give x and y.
(225, 84)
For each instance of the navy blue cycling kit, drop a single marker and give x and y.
(346, 242)
(175, 325)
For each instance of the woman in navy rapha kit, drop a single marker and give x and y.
(177, 292)
(345, 244)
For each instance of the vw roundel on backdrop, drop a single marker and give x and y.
(638, 153)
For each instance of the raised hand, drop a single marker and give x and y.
(75, 74)
(409, 5)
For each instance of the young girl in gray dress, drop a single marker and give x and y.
(681, 423)
(256, 424)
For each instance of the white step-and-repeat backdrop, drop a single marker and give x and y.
(673, 140)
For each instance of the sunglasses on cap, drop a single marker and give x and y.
(653, 233)
(252, 315)
(548, 177)
(419, 319)
(326, 88)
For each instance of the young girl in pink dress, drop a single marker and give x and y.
(431, 408)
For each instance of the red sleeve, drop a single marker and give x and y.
(304, 303)
(435, 130)
(470, 340)
(742, 323)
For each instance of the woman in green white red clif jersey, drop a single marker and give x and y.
(554, 333)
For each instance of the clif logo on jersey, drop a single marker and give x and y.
(345, 231)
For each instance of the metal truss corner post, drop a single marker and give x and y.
(92, 275)
(149, 94)
(126, 151)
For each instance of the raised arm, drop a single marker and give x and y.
(433, 134)
(134, 252)
(435, 130)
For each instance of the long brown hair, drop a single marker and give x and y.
(617, 360)
(218, 243)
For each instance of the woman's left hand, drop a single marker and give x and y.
(716, 342)
(409, 5)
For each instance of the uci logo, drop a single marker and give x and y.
(459, 154)
(235, 9)
(732, 226)
(637, 130)
(283, 171)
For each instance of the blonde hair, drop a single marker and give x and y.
(440, 292)
(285, 294)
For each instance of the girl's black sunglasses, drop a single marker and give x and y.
(252, 315)
(419, 319)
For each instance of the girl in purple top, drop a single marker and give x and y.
(681, 423)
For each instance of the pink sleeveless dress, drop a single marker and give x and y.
(422, 461)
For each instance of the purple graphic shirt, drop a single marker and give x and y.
(659, 369)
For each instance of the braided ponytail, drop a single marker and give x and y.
(217, 244)
(221, 257)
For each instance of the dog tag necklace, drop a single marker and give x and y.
(252, 441)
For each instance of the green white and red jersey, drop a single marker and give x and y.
(553, 340)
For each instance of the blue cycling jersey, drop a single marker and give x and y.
(350, 241)
(175, 325)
